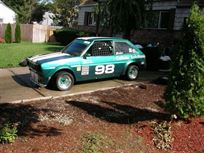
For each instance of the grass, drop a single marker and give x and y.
(12, 54)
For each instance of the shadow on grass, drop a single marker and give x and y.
(118, 113)
(25, 117)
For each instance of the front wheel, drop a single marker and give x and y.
(64, 80)
(132, 72)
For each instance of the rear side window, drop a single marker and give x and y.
(101, 48)
(123, 47)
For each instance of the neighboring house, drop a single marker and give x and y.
(87, 15)
(47, 19)
(164, 14)
(169, 14)
(7, 15)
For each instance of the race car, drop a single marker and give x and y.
(87, 58)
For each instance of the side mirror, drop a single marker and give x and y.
(86, 55)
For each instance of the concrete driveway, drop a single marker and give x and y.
(15, 86)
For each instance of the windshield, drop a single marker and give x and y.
(76, 47)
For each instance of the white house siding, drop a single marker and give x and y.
(82, 10)
(6, 14)
(181, 14)
(167, 5)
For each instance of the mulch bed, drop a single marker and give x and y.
(122, 116)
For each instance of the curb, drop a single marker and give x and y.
(139, 84)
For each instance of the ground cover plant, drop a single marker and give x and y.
(12, 54)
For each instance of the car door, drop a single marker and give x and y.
(123, 54)
(99, 61)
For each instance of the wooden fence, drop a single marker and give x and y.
(31, 32)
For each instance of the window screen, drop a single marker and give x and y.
(102, 48)
(122, 48)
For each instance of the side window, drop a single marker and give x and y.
(101, 48)
(123, 47)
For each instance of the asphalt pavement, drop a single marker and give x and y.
(15, 86)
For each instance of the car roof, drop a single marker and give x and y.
(101, 38)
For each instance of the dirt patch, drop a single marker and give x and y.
(112, 121)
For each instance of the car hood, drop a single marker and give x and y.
(40, 59)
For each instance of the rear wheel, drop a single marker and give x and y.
(64, 80)
(132, 72)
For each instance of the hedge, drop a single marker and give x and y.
(65, 36)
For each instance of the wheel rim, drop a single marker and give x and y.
(133, 72)
(64, 82)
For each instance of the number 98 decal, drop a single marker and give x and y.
(104, 69)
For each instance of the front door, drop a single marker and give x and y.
(99, 61)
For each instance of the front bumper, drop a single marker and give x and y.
(37, 79)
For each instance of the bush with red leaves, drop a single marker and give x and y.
(2, 40)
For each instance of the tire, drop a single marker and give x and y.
(132, 72)
(64, 80)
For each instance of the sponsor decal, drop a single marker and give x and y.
(104, 69)
(85, 70)
(122, 57)
(87, 42)
(137, 56)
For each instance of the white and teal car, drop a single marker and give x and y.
(87, 58)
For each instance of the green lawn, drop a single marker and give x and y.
(12, 54)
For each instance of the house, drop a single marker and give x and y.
(7, 15)
(87, 13)
(47, 19)
(164, 18)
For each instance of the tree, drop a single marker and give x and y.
(23, 8)
(65, 11)
(124, 15)
(185, 91)
(39, 11)
(18, 33)
(8, 34)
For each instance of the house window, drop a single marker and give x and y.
(158, 19)
(90, 19)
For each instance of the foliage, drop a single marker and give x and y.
(94, 143)
(8, 33)
(12, 54)
(65, 11)
(162, 135)
(22, 8)
(2, 40)
(38, 11)
(124, 16)
(8, 133)
(18, 33)
(65, 36)
(185, 91)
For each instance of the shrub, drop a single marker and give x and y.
(8, 33)
(185, 91)
(8, 133)
(18, 33)
(2, 40)
(65, 36)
